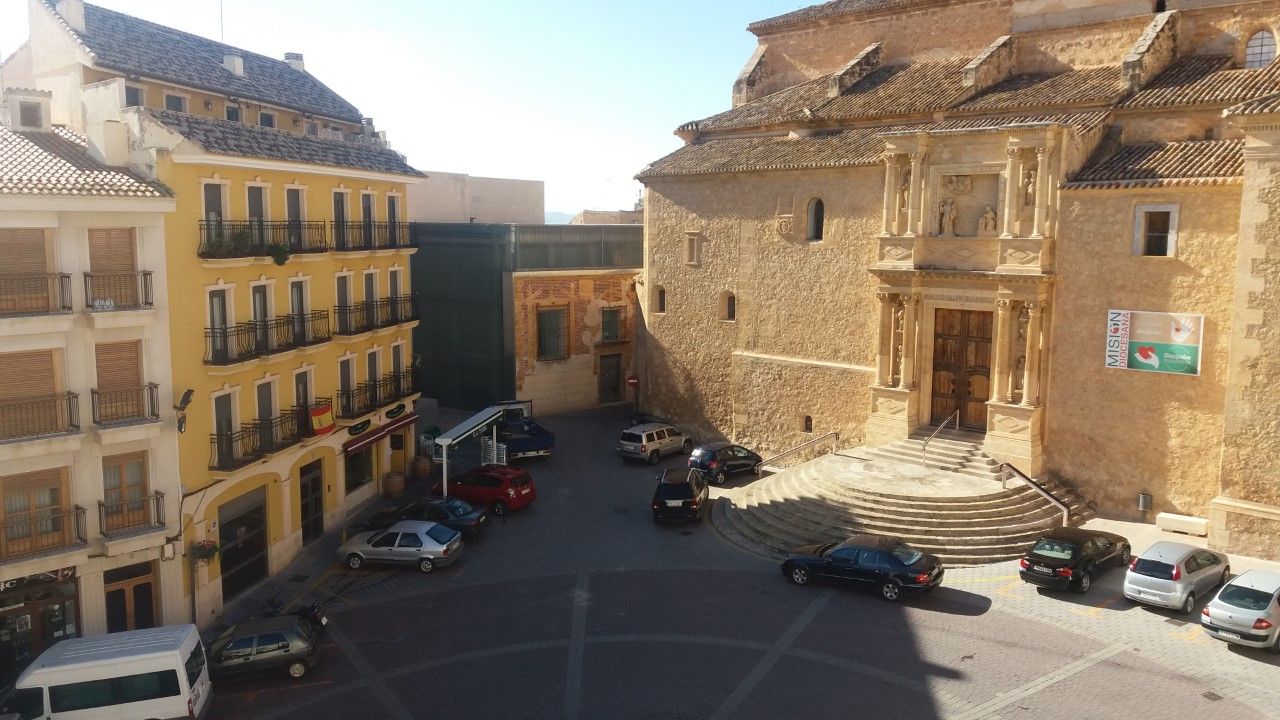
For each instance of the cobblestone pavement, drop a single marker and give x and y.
(579, 607)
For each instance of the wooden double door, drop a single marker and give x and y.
(961, 366)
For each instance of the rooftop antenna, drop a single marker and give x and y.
(222, 29)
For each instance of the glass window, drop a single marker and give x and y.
(195, 664)
(29, 115)
(610, 324)
(868, 558)
(359, 466)
(132, 96)
(1156, 227)
(1058, 549)
(81, 695)
(659, 299)
(114, 691)
(631, 437)
(906, 554)
(384, 540)
(1153, 568)
(149, 686)
(817, 217)
(1241, 597)
(729, 307)
(233, 113)
(266, 119)
(410, 540)
(271, 642)
(26, 704)
(441, 534)
(176, 103)
(847, 554)
(1260, 50)
(1207, 559)
(238, 648)
(553, 334)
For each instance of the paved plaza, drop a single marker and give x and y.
(579, 607)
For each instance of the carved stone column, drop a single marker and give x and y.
(1012, 191)
(1031, 383)
(884, 360)
(1000, 351)
(1042, 191)
(890, 221)
(914, 211)
(910, 303)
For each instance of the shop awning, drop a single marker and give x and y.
(370, 437)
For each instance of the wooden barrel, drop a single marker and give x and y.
(393, 484)
(422, 467)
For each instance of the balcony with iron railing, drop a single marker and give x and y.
(118, 291)
(396, 386)
(29, 418)
(225, 239)
(133, 516)
(357, 318)
(359, 401)
(34, 294)
(234, 449)
(305, 413)
(126, 406)
(364, 235)
(396, 310)
(278, 432)
(260, 338)
(40, 532)
(310, 328)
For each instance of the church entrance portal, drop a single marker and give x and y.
(961, 367)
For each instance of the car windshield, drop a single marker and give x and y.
(1153, 568)
(702, 454)
(24, 703)
(1245, 598)
(907, 554)
(458, 507)
(631, 437)
(441, 534)
(520, 479)
(1058, 549)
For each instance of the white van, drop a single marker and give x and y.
(158, 673)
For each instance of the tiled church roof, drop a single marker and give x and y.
(1092, 86)
(1082, 121)
(1195, 162)
(1205, 80)
(1261, 106)
(58, 163)
(221, 137)
(137, 47)
(828, 10)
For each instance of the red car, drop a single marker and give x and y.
(500, 487)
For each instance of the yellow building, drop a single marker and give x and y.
(288, 257)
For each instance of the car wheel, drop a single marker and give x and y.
(354, 561)
(297, 669)
(653, 457)
(1086, 582)
(1226, 575)
(799, 576)
(717, 478)
(890, 590)
(687, 447)
(499, 508)
(702, 514)
(425, 565)
(1189, 605)
(1124, 556)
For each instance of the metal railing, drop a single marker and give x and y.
(126, 517)
(230, 345)
(35, 416)
(359, 401)
(227, 239)
(358, 235)
(303, 415)
(398, 309)
(118, 291)
(40, 531)
(278, 432)
(1006, 470)
(35, 293)
(831, 437)
(272, 336)
(355, 319)
(396, 385)
(259, 338)
(310, 328)
(925, 447)
(235, 449)
(125, 406)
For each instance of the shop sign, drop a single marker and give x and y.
(1154, 341)
(395, 412)
(359, 427)
(59, 575)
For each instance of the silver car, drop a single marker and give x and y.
(651, 441)
(1173, 575)
(1246, 611)
(418, 542)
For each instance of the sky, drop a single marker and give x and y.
(581, 94)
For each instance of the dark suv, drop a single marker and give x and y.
(681, 494)
(721, 459)
(262, 647)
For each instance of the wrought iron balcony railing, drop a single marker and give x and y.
(359, 401)
(396, 386)
(260, 238)
(399, 309)
(130, 516)
(357, 235)
(42, 531)
(278, 432)
(259, 338)
(32, 417)
(35, 293)
(118, 291)
(357, 318)
(310, 328)
(235, 449)
(304, 414)
(124, 406)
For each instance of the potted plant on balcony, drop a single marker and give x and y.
(279, 253)
(241, 241)
(204, 550)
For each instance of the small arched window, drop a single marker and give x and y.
(816, 216)
(808, 423)
(1260, 50)
(728, 306)
(659, 299)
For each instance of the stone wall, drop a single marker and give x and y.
(1113, 433)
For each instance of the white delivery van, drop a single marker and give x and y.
(158, 673)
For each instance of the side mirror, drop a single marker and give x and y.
(826, 559)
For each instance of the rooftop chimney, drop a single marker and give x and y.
(366, 125)
(23, 109)
(73, 12)
(295, 61)
(234, 62)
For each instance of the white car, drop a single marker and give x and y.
(422, 543)
(1246, 611)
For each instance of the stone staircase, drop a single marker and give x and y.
(956, 451)
(840, 494)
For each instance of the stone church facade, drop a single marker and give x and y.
(920, 212)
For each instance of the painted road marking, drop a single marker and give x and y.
(985, 710)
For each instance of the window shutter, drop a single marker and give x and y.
(27, 374)
(119, 365)
(112, 250)
(27, 482)
(23, 250)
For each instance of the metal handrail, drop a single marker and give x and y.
(801, 446)
(924, 448)
(1006, 468)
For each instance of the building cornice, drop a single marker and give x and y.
(203, 158)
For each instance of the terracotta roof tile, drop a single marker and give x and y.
(221, 137)
(786, 105)
(828, 10)
(1091, 86)
(1195, 162)
(1083, 121)
(58, 163)
(833, 148)
(1205, 80)
(1261, 106)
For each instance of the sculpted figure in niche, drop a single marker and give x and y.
(904, 190)
(1029, 182)
(1019, 374)
(947, 218)
(987, 223)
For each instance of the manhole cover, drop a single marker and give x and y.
(1211, 696)
(1176, 621)
(298, 578)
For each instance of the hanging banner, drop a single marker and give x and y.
(1154, 341)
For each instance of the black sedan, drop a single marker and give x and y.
(882, 562)
(450, 512)
(1072, 557)
(721, 459)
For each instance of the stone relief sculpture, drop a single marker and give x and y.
(1029, 182)
(960, 184)
(987, 223)
(947, 218)
(904, 190)
(1019, 374)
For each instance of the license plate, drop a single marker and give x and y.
(1225, 634)
(524, 491)
(675, 503)
(1148, 596)
(1042, 569)
(324, 620)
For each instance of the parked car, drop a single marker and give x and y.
(261, 647)
(1246, 611)
(418, 542)
(1072, 557)
(451, 512)
(885, 563)
(681, 494)
(497, 487)
(651, 441)
(1173, 575)
(719, 460)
